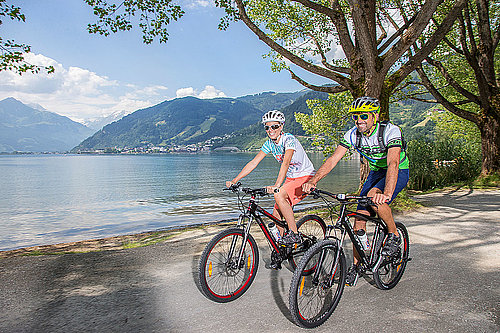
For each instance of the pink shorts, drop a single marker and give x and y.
(293, 187)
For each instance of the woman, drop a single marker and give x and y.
(296, 169)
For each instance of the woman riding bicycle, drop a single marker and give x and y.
(296, 169)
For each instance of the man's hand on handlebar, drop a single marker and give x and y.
(307, 187)
(380, 198)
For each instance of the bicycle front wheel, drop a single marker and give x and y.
(224, 275)
(313, 229)
(314, 295)
(391, 269)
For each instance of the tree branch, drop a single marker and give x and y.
(337, 16)
(330, 90)
(389, 17)
(413, 32)
(383, 35)
(496, 38)
(427, 48)
(472, 59)
(485, 42)
(452, 82)
(363, 18)
(342, 80)
(433, 101)
(443, 101)
(325, 62)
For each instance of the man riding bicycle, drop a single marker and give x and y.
(382, 145)
(295, 167)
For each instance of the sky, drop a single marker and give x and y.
(96, 76)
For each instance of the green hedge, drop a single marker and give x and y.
(441, 163)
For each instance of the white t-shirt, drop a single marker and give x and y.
(300, 165)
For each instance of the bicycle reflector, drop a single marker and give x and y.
(210, 269)
(249, 262)
(302, 285)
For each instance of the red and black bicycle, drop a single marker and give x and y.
(229, 263)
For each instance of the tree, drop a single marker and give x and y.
(377, 38)
(463, 75)
(12, 53)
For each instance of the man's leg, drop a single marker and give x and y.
(384, 212)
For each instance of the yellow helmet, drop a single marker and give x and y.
(364, 104)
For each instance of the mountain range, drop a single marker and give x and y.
(218, 123)
(187, 120)
(28, 129)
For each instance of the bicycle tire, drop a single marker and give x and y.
(391, 270)
(311, 303)
(314, 229)
(219, 279)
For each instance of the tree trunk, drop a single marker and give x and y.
(490, 145)
(364, 170)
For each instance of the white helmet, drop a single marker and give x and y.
(273, 115)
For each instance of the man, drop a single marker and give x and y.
(295, 167)
(389, 169)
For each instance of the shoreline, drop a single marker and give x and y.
(123, 242)
(120, 242)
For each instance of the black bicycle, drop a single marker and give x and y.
(318, 281)
(229, 262)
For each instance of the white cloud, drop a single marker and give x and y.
(183, 92)
(193, 4)
(76, 92)
(208, 92)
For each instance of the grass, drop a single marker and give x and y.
(491, 181)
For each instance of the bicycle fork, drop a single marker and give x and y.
(240, 262)
(333, 269)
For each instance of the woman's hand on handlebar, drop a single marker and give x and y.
(272, 189)
(229, 183)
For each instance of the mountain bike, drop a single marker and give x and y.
(229, 262)
(318, 281)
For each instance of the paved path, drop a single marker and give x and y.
(451, 285)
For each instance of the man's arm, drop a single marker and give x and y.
(329, 164)
(391, 177)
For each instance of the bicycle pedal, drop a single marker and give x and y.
(275, 266)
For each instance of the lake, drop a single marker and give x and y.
(49, 199)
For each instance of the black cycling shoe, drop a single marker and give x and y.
(391, 245)
(352, 276)
(290, 238)
(275, 260)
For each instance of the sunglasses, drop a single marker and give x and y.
(273, 127)
(362, 116)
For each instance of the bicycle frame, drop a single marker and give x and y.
(252, 214)
(344, 225)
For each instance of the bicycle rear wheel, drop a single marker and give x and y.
(391, 269)
(314, 295)
(222, 278)
(313, 229)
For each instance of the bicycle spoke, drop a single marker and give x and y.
(222, 278)
(312, 296)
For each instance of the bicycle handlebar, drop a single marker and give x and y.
(252, 191)
(342, 197)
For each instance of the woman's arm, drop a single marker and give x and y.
(247, 168)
